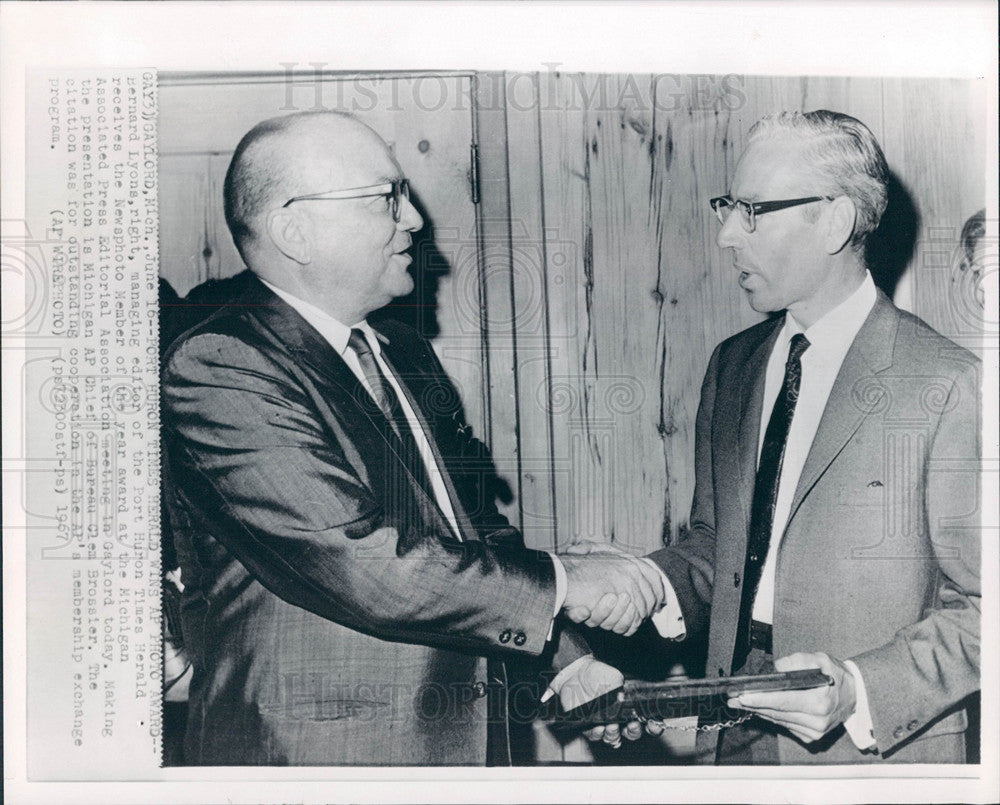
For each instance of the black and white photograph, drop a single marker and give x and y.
(524, 426)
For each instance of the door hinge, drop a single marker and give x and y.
(474, 171)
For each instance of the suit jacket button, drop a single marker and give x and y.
(504, 636)
(912, 725)
(736, 579)
(897, 733)
(520, 639)
(479, 689)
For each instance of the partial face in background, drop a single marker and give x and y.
(781, 263)
(357, 251)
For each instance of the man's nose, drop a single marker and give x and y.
(731, 233)
(409, 219)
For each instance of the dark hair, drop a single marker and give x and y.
(972, 232)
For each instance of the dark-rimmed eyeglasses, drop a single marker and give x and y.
(722, 206)
(392, 191)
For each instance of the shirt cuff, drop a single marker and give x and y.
(859, 726)
(560, 590)
(565, 675)
(669, 621)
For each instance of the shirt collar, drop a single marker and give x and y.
(335, 332)
(835, 331)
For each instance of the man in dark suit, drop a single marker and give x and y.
(835, 521)
(344, 577)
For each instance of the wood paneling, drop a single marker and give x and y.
(578, 317)
(609, 178)
(186, 219)
(936, 147)
(626, 165)
(532, 273)
(577, 312)
(565, 181)
(496, 289)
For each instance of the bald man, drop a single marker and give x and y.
(345, 577)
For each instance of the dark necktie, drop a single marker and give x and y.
(765, 492)
(388, 403)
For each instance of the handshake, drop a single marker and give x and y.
(610, 589)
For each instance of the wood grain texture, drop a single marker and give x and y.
(936, 148)
(628, 165)
(533, 271)
(185, 219)
(499, 331)
(566, 200)
(578, 312)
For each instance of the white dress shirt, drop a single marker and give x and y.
(337, 334)
(829, 340)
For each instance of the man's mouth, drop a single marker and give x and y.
(405, 256)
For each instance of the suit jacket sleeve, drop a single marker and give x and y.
(471, 469)
(690, 563)
(934, 663)
(290, 505)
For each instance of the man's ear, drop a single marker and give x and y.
(288, 232)
(840, 218)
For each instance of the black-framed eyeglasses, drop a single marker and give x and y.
(722, 206)
(393, 191)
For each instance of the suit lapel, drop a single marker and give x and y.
(854, 396)
(302, 340)
(411, 385)
(344, 392)
(751, 397)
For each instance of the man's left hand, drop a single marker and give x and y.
(807, 714)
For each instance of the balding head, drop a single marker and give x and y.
(341, 250)
(282, 157)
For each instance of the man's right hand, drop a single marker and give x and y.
(611, 590)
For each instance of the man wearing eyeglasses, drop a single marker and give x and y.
(345, 575)
(835, 521)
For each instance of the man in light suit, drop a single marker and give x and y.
(835, 516)
(344, 576)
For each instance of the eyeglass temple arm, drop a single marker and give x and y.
(773, 206)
